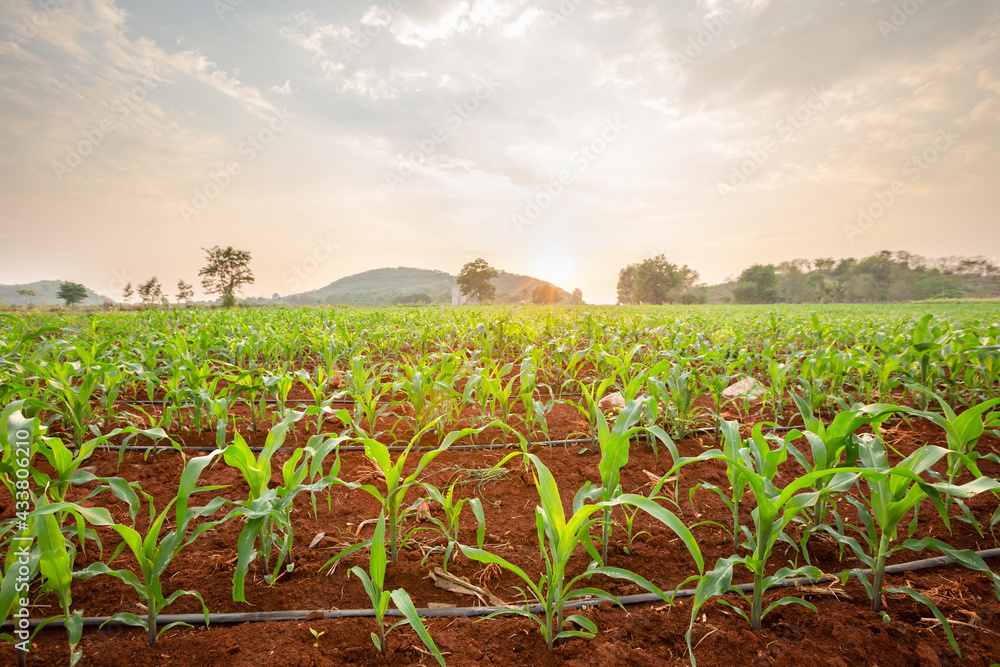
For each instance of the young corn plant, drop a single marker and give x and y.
(678, 390)
(732, 445)
(589, 406)
(558, 539)
(534, 408)
(448, 527)
(614, 444)
(154, 552)
(963, 432)
(397, 483)
(893, 493)
(71, 388)
(56, 557)
(267, 511)
(776, 508)
(374, 583)
(832, 446)
(367, 389)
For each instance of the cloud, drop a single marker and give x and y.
(699, 84)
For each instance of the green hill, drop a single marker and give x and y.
(45, 294)
(390, 286)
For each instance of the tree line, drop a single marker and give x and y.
(883, 277)
(225, 274)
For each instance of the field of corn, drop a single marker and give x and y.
(495, 486)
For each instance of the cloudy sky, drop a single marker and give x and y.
(558, 139)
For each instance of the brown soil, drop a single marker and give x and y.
(844, 632)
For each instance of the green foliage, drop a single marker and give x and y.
(558, 539)
(655, 281)
(374, 582)
(154, 552)
(448, 528)
(72, 293)
(757, 284)
(226, 273)
(151, 292)
(474, 280)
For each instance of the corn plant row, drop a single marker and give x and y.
(846, 465)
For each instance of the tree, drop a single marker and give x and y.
(474, 280)
(72, 293)
(544, 293)
(27, 294)
(757, 284)
(654, 281)
(227, 271)
(577, 297)
(415, 298)
(184, 291)
(127, 293)
(151, 291)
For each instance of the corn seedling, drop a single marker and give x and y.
(614, 445)
(154, 552)
(449, 527)
(397, 483)
(558, 539)
(374, 581)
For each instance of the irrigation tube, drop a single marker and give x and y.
(447, 612)
(453, 448)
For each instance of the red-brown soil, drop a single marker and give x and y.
(844, 632)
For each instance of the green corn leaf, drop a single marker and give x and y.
(934, 610)
(403, 602)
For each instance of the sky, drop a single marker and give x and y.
(563, 139)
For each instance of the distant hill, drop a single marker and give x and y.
(390, 286)
(45, 294)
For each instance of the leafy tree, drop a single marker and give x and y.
(227, 271)
(27, 294)
(72, 293)
(577, 297)
(544, 293)
(416, 297)
(127, 293)
(151, 291)
(757, 284)
(184, 291)
(474, 280)
(654, 281)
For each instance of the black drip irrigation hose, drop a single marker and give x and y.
(449, 612)
(400, 448)
(274, 401)
(456, 448)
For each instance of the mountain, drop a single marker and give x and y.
(45, 294)
(390, 286)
